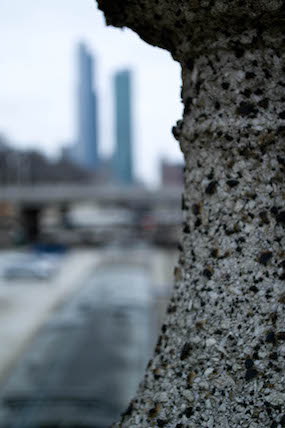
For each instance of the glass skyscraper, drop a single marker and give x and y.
(86, 153)
(123, 164)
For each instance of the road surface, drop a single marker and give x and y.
(88, 359)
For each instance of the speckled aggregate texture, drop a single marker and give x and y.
(220, 359)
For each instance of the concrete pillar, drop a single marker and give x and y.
(64, 214)
(220, 359)
(30, 223)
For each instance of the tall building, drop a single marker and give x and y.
(86, 150)
(123, 164)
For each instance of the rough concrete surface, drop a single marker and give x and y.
(220, 359)
(182, 27)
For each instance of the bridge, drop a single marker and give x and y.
(31, 200)
(46, 194)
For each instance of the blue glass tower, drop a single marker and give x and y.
(87, 146)
(123, 153)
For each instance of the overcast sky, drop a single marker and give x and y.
(38, 74)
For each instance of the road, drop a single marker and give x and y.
(26, 305)
(88, 359)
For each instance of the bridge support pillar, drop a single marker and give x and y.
(30, 222)
(64, 210)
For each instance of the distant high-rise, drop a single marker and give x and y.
(86, 151)
(123, 152)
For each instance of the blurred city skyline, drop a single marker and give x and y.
(38, 81)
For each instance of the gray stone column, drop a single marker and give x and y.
(220, 359)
